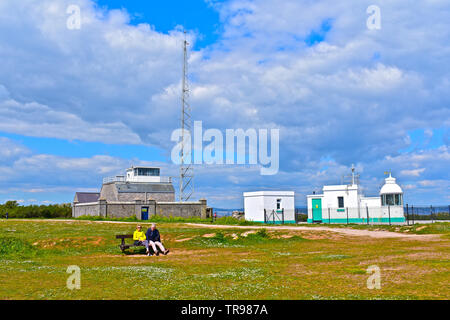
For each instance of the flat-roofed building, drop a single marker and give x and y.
(141, 192)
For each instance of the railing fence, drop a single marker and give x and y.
(373, 215)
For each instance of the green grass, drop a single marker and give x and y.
(426, 228)
(431, 228)
(210, 263)
(14, 247)
(157, 218)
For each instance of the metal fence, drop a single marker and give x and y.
(274, 216)
(375, 215)
(426, 213)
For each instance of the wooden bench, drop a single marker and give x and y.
(123, 246)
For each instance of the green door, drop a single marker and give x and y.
(317, 210)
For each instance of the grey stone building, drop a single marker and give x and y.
(142, 192)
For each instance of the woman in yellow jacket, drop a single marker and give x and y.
(139, 237)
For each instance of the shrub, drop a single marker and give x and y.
(14, 246)
(34, 211)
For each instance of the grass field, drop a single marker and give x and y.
(208, 262)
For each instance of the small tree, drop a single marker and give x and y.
(11, 204)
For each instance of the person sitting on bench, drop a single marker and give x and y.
(140, 238)
(154, 239)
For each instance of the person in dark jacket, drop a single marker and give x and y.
(154, 240)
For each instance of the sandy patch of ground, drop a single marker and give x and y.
(173, 252)
(183, 240)
(69, 242)
(209, 235)
(344, 231)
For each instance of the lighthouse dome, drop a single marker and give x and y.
(390, 186)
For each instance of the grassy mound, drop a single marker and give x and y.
(10, 246)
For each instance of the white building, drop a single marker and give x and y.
(346, 204)
(140, 174)
(270, 206)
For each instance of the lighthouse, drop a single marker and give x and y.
(346, 203)
(391, 196)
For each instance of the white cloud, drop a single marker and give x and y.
(352, 98)
(11, 150)
(413, 173)
(34, 119)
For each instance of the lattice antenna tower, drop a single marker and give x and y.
(186, 168)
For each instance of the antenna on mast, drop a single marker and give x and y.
(186, 169)
(353, 178)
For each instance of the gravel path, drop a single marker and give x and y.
(346, 231)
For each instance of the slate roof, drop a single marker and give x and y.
(145, 187)
(86, 197)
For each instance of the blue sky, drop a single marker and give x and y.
(79, 105)
(194, 15)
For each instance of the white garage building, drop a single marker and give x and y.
(270, 206)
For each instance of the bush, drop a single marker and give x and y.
(233, 221)
(262, 233)
(34, 211)
(14, 246)
(301, 217)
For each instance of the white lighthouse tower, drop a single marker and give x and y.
(391, 195)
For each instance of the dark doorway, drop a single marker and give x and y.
(144, 213)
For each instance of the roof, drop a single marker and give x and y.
(390, 186)
(85, 197)
(340, 187)
(269, 193)
(144, 187)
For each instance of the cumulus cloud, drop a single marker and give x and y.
(34, 119)
(413, 173)
(11, 150)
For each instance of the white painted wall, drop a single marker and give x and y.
(256, 202)
(331, 194)
(354, 201)
(370, 202)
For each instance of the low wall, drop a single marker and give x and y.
(129, 209)
(120, 210)
(185, 209)
(86, 209)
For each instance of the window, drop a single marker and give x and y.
(389, 199)
(398, 199)
(278, 204)
(392, 199)
(146, 172)
(340, 202)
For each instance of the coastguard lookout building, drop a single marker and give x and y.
(270, 206)
(141, 192)
(347, 204)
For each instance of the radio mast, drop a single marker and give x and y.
(186, 169)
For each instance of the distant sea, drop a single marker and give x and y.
(228, 212)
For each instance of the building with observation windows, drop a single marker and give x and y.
(346, 203)
(142, 192)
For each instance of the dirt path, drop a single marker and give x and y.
(346, 231)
